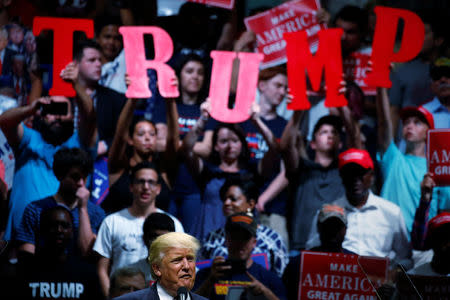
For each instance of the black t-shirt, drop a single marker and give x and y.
(40, 278)
(266, 277)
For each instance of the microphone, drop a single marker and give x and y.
(182, 293)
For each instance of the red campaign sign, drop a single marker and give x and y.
(339, 276)
(269, 27)
(221, 81)
(63, 29)
(384, 41)
(355, 69)
(137, 64)
(438, 155)
(228, 4)
(301, 59)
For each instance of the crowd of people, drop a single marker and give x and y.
(102, 195)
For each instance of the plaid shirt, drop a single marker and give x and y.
(267, 241)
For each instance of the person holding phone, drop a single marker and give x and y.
(239, 269)
(35, 147)
(240, 196)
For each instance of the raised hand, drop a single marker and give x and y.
(70, 72)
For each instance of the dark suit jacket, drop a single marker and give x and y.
(151, 294)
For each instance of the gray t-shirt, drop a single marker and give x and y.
(311, 186)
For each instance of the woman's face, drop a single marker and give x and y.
(228, 145)
(235, 201)
(192, 77)
(144, 137)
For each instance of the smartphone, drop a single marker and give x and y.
(237, 266)
(55, 108)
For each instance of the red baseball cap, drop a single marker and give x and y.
(421, 112)
(357, 156)
(435, 223)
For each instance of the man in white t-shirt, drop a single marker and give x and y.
(119, 241)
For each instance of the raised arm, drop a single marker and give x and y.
(385, 127)
(290, 147)
(351, 127)
(117, 160)
(173, 136)
(194, 162)
(419, 228)
(86, 237)
(10, 120)
(88, 124)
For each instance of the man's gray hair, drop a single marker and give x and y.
(124, 272)
(169, 240)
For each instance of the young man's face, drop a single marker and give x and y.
(60, 229)
(110, 41)
(414, 129)
(274, 90)
(145, 186)
(90, 66)
(326, 139)
(351, 37)
(73, 180)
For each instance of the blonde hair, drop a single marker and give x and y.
(161, 244)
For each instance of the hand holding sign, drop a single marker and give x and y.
(438, 156)
(301, 59)
(63, 29)
(426, 187)
(137, 64)
(221, 81)
(70, 73)
(384, 40)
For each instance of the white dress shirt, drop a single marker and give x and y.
(376, 229)
(163, 295)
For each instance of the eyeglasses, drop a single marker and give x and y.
(143, 182)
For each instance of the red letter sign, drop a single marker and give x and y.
(384, 39)
(220, 85)
(63, 29)
(137, 64)
(328, 58)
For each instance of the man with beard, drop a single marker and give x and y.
(34, 148)
(71, 167)
(375, 226)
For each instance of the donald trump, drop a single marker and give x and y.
(172, 260)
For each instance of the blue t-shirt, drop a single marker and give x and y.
(29, 227)
(34, 178)
(210, 216)
(258, 147)
(402, 175)
(267, 278)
